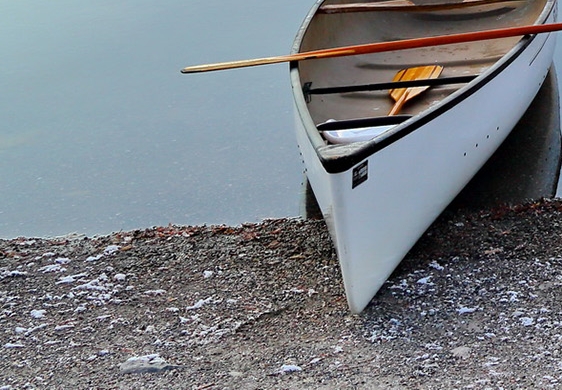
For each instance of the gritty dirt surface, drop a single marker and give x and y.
(476, 304)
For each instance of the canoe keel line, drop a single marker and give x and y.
(381, 181)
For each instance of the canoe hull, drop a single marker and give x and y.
(378, 209)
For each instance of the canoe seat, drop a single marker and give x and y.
(357, 130)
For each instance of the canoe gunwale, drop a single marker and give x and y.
(338, 158)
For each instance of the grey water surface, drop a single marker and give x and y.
(100, 132)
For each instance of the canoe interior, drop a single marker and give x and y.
(341, 29)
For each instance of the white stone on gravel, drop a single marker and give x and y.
(466, 310)
(93, 258)
(527, 321)
(146, 364)
(155, 292)
(14, 274)
(120, 277)
(71, 278)
(424, 280)
(52, 268)
(111, 249)
(13, 345)
(287, 369)
(35, 328)
(462, 352)
(199, 304)
(38, 313)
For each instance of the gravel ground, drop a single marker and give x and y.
(261, 306)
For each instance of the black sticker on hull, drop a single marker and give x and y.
(360, 174)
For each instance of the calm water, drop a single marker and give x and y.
(100, 132)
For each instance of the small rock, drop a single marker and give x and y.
(119, 277)
(111, 249)
(424, 280)
(466, 310)
(38, 313)
(13, 345)
(155, 292)
(144, 364)
(462, 352)
(286, 369)
(527, 321)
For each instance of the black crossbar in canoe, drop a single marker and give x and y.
(348, 124)
(308, 90)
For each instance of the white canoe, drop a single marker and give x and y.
(381, 181)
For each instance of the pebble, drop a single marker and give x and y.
(38, 313)
(462, 352)
(146, 364)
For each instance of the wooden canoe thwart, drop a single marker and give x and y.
(405, 5)
(382, 171)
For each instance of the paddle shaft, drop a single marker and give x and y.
(381, 47)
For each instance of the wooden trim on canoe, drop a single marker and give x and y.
(404, 5)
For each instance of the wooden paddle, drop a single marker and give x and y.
(381, 47)
(402, 95)
(403, 5)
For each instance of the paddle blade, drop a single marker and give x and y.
(402, 95)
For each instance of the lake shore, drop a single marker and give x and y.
(475, 304)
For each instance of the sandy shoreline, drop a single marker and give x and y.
(474, 305)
